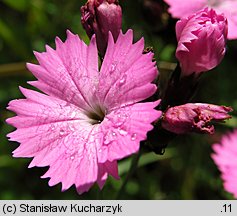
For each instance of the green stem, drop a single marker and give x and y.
(131, 171)
(99, 195)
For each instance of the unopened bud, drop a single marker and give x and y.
(194, 117)
(201, 41)
(99, 17)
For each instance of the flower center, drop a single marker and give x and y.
(97, 115)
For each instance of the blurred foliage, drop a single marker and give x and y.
(185, 171)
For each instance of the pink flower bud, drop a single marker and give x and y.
(99, 17)
(194, 117)
(201, 41)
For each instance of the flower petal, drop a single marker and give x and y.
(39, 109)
(225, 157)
(124, 128)
(105, 169)
(183, 8)
(69, 73)
(77, 163)
(229, 8)
(126, 74)
(56, 134)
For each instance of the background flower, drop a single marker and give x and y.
(225, 157)
(183, 8)
(89, 119)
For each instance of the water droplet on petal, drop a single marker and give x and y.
(106, 141)
(122, 80)
(118, 123)
(54, 145)
(94, 89)
(123, 54)
(113, 67)
(119, 118)
(122, 131)
(95, 80)
(74, 113)
(133, 137)
(110, 137)
(61, 132)
(71, 127)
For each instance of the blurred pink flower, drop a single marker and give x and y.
(194, 117)
(225, 157)
(201, 41)
(184, 8)
(99, 17)
(89, 118)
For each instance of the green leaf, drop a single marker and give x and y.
(232, 123)
(9, 161)
(11, 39)
(145, 159)
(167, 53)
(20, 5)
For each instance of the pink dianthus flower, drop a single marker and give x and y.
(225, 157)
(184, 8)
(88, 117)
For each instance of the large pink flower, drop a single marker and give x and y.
(90, 117)
(225, 158)
(184, 8)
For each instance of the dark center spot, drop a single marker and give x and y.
(97, 115)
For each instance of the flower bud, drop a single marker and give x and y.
(201, 41)
(194, 117)
(99, 17)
